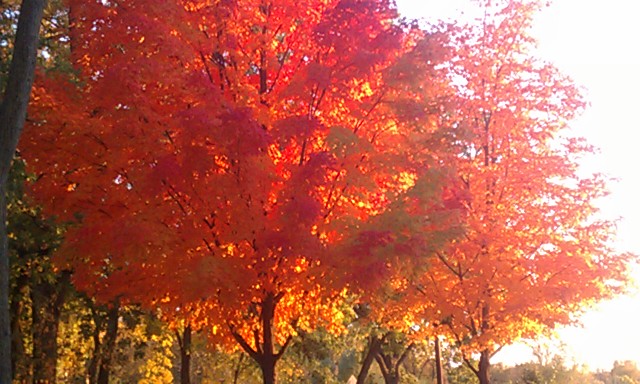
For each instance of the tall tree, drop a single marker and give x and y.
(535, 251)
(13, 112)
(281, 157)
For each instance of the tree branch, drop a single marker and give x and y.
(243, 344)
(283, 348)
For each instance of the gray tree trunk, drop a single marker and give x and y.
(13, 111)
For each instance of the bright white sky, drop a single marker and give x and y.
(596, 43)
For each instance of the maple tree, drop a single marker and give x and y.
(238, 165)
(535, 252)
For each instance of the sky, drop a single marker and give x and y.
(596, 43)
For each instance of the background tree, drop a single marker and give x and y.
(535, 252)
(38, 289)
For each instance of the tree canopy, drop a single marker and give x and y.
(248, 169)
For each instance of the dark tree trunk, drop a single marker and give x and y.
(375, 343)
(236, 373)
(109, 343)
(20, 364)
(5, 314)
(439, 378)
(264, 354)
(483, 367)
(268, 359)
(13, 112)
(92, 371)
(268, 368)
(184, 342)
(391, 379)
(45, 315)
(390, 363)
(47, 299)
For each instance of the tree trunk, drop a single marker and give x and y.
(20, 364)
(184, 342)
(47, 300)
(268, 368)
(375, 344)
(391, 379)
(109, 343)
(45, 315)
(390, 375)
(265, 354)
(236, 373)
(390, 364)
(5, 314)
(268, 360)
(483, 367)
(92, 371)
(439, 378)
(13, 112)
(485, 356)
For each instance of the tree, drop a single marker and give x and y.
(625, 371)
(12, 116)
(38, 289)
(535, 252)
(279, 159)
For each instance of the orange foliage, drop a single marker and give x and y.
(534, 253)
(240, 163)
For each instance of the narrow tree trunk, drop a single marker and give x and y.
(47, 299)
(236, 373)
(391, 379)
(5, 316)
(389, 375)
(485, 356)
(373, 349)
(185, 355)
(45, 314)
(19, 362)
(92, 371)
(264, 354)
(439, 378)
(109, 343)
(268, 359)
(483, 367)
(13, 112)
(390, 364)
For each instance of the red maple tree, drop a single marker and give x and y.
(239, 164)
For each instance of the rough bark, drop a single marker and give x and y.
(13, 112)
